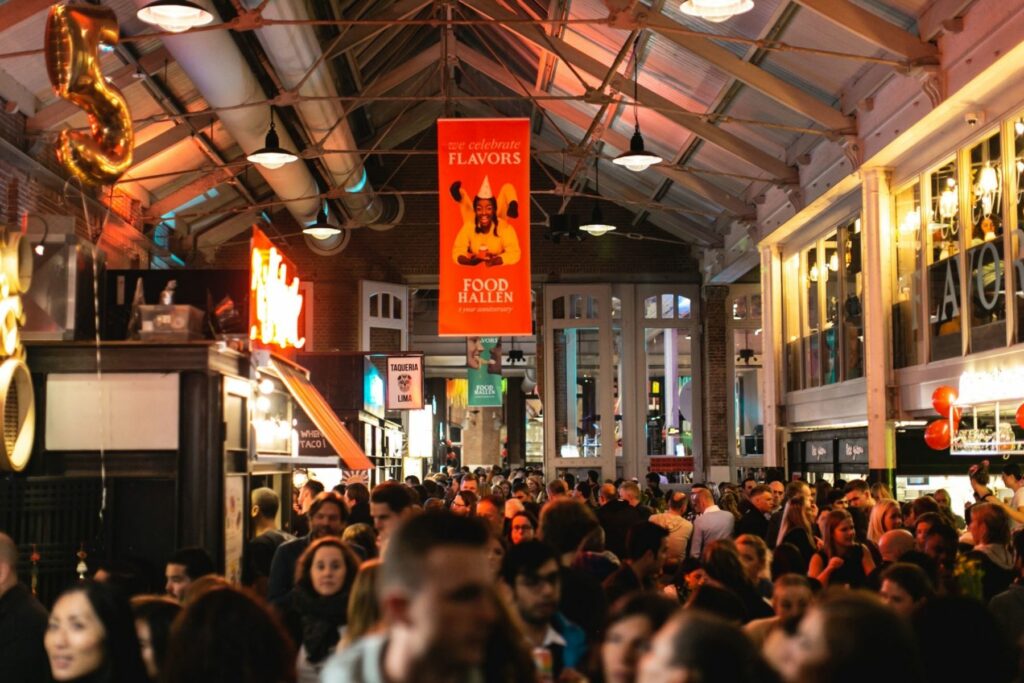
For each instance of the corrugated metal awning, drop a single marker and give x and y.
(315, 406)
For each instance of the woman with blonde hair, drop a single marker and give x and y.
(885, 516)
(364, 615)
(756, 560)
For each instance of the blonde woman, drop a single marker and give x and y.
(885, 516)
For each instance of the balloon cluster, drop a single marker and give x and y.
(939, 433)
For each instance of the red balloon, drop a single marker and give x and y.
(942, 399)
(1020, 415)
(936, 435)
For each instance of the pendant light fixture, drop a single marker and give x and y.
(637, 159)
(174, 16)
(321, 229)
(597, 226)
(272, 155)
(715, 11)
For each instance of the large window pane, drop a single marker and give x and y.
(906, 300)
(944, 294)
(669, 392)
(1017, 188)
(851, 309)
(813, 272)
(791, 321)
(749, 423)
(829, 274)
(985, 254)
(577, 384)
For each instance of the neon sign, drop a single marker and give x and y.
(275, 301)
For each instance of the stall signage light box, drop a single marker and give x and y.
(994, 385)
(275, 307)
(405, 382)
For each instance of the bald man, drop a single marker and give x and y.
(712, 523)
(22, 624)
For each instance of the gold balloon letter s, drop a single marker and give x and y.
(73, 36)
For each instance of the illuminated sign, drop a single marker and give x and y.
(275, 303)
(987, 387)
(17, 400)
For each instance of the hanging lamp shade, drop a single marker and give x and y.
(272, 155)
(174, 16)
(637, 158)
(715, 11)
(321, 229)
(597, 226)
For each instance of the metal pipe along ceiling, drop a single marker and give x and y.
(293, 50)
(220, 73)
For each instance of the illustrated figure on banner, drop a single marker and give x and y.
(486, 237)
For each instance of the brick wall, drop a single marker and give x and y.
(716, 380)
(28, 188)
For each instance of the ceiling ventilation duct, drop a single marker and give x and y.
(293, 49)
(220, 73)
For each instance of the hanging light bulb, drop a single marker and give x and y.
(715, 11)
(321, 229)
(833, 262)
(1018, 127)
(987, 188)
(174, 16)
(949, 204)
(272, 155)
(812, 275)
(637, 159)
(596, 226)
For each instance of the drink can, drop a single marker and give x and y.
(545, 667)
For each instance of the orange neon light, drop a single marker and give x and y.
(276, 302)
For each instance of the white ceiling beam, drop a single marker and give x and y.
(564, 110)
(873, 29)
(751, 154)
(784, 93)
(169, 138)
(54, 113)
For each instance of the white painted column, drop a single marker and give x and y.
(876, 233)
(774, 351)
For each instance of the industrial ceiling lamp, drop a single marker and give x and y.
(596, 226)
(637, 159)
(715, 10)
(174, 16)
(321, 229)
(272, 155)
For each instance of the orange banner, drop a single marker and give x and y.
(483, 169)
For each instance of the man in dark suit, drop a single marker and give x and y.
(646, 552)
(617, 517)
(755, 518)
(22, 624)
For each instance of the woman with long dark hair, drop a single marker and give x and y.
(226, 636)
(315, 612)
(153, 617)
(797, 528)
(91, 637)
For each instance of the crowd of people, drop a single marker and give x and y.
(503, 576)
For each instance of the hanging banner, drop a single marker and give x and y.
(483, 360)
(405, 382)
(483, 168)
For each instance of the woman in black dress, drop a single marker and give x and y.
(842, 561)
(797, 528)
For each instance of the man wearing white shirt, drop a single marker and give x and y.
(712, 522)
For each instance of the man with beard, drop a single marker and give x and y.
(328, 516)
(436, 594)
(532, 574)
